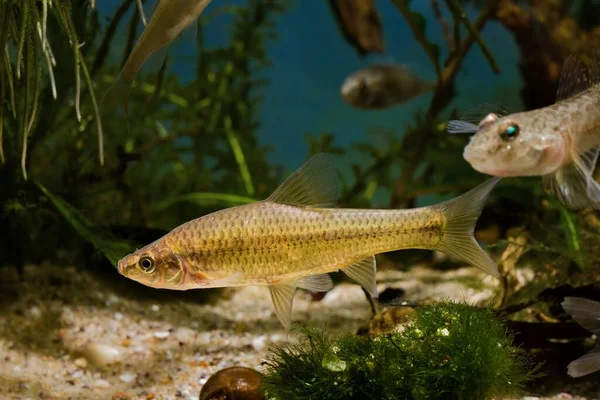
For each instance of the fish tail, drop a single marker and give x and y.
(461, 215)
(118, 91)
(587, 314)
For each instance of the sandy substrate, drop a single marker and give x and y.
(66, 333)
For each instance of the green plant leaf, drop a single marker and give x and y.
(113, 249)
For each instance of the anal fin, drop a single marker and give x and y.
(283, 296)
(315, 283)
(363, 272)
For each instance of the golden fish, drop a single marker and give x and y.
(291, 240)
(168, 20)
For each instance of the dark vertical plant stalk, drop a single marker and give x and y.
(441, 98)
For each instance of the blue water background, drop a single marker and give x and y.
(311, 59)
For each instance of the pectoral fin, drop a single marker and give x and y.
(283, 297)
(316, 283)
(574, 184)
(363, 272)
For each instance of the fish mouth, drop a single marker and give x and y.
(121, 267)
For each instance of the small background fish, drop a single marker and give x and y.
(381, 86)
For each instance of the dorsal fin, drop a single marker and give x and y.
(314, 184)
(576, 76)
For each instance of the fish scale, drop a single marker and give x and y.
(293, 240)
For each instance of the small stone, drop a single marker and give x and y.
(81, 362)
(101, 383)
(35, 312)
(77, 374)
(127, 377)
(155, 308)
(235, 382)
(118, 316)
(259, 343)
(100, 354)
(161, 334)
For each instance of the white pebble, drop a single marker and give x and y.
(161, 334)
(81, 362)
(128, 377)
(35, 312)
(100, 354)
(155, 308)
(77, 373)
(118, 316)
(101, 383)
(259, 343)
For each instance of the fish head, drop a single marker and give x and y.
(355, 89)
(514, 145)
(155, 265)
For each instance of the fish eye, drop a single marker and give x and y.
(146, 263)
(510, 132)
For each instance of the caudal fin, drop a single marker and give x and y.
(461, 214)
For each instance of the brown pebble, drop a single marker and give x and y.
(238, 383)
(150, 396)
(121, 396)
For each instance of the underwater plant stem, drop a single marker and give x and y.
(459, 11)
(239, 156)
(441, 98)
(435, 5)
(418, 33)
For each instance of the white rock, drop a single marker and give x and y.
(155, 308)
(101, 383)
(101, 354)
(259, 343)
(81, 362)
(161, 334)
(127, 377)
(118, 316)
(35, 312)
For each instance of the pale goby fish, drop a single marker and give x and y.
(168, 20)
(292, 240)
(381, 86)
(587, 314)
(560, 142)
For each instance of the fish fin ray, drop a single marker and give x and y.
(283, 297)
(461, 215)
(574, 184)
(585, 312)
(586, 364)
(576, 76)
(475, 114)
(458, 126)
(363, 272)
(316, 283)
(314, 184)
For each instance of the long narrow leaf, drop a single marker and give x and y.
(102, 240)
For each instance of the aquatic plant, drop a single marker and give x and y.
(26, 43)
(447, 351)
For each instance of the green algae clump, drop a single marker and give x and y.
(447, 351)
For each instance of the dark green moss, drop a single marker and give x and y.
(449, 351)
